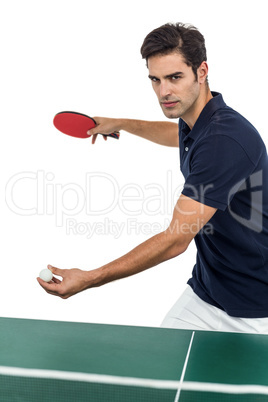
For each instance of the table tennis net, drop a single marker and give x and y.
(24, 385)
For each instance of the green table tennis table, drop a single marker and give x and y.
(79, 362)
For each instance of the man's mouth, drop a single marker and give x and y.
(169, 104)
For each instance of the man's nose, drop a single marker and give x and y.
(165, 90)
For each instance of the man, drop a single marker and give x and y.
(224, 203)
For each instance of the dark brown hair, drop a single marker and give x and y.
(182, 38)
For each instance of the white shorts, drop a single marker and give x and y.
(190, 312)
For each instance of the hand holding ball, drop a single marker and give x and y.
(46, 275)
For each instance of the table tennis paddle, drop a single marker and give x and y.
(77, 124)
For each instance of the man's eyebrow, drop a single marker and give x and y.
(167, 76)
(173, 74)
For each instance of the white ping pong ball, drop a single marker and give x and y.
(46, 275)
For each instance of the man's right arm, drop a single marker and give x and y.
(160, 132)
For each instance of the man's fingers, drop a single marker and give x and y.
(48, 286)
(94, 138)
(92, 131)
(56, 280)
(56, 271)
(53, 287)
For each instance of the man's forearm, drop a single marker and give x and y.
(160, 132)
(152, 252)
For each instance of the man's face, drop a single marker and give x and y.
(174, 84)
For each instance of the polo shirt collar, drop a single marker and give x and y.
(214, 104)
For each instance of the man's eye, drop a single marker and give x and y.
(175, 77)
(154, 79)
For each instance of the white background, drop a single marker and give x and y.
(84, 56)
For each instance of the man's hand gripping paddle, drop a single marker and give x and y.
(77, 125)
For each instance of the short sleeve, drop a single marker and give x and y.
(218, 168)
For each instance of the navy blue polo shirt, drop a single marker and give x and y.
(224, 162)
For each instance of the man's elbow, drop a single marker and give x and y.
(177, 244)
(178, 249)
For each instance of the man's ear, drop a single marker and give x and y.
(202, 72)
